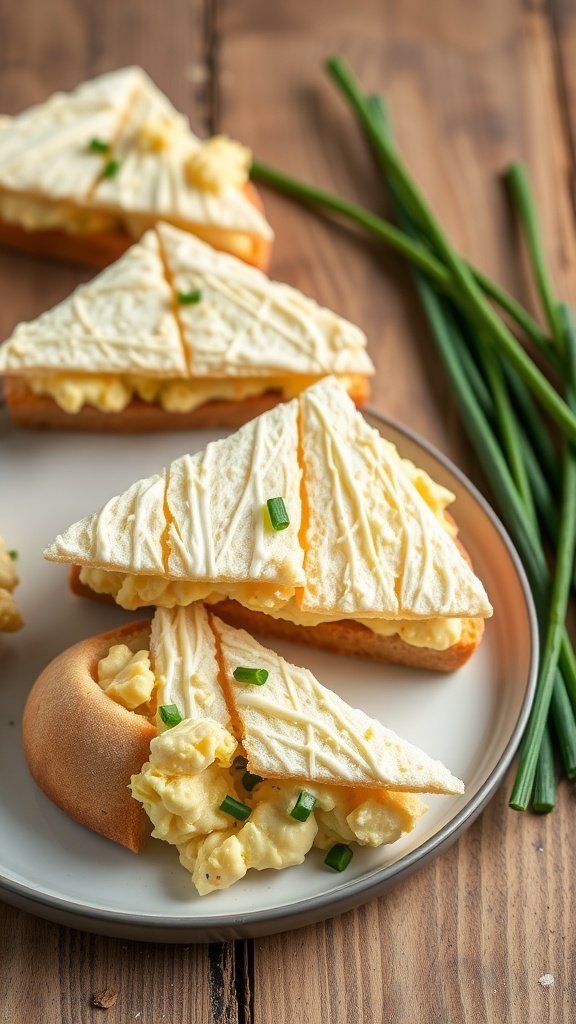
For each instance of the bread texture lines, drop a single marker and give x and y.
(121, 322)
(377, 548)
(246, 324)
(183, 652)
(53, 176)
(44, 150)
(127, 533)
(293, 726)
(217, 505)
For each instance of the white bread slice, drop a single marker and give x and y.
(184, 659)
(208, 511)
(373, 546)
(128, 531)
(248, 325)
(216, 500)
(293, 727)
(122, 322)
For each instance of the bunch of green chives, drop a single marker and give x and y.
(506, 404)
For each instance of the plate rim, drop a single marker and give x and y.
(351, 894)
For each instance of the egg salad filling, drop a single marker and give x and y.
(113, 393)
(198, 767)
(10, 617)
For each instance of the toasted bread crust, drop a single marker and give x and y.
(39, 412)
(82, 747)
(344, 637)
(355, 640)
(100, 249)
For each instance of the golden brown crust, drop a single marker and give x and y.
(354, 640)
(92, 250)
(100, 249)
(40, 412)
(82, 747)
(344, 637)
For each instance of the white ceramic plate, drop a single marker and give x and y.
(471, 720)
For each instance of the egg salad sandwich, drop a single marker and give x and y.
(240, 759)
(304, 524)
(175, 334)
(10, 617)
(86, 173)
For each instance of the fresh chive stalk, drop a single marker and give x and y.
(235, 809)
(418, 254)
(544, 794)
(558, 607)
(189, 298)
(256, 676)
(339, 857)
(564, 726)
(278, 513)
(517, 181)
(170, 715)
(421, 215)
(304, 806)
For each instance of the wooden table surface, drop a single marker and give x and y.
(471, 86)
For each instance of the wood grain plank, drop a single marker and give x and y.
(51, 974)
(471, 87)
(562, 15)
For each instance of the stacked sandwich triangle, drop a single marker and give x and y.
(114, 156)
(177, 317)
(362, 544)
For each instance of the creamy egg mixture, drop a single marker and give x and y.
(111, 393)
(10, 618)
(195, 765)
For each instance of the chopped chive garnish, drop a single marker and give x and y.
(13, 554)
(278, 515)
(189, 298)
(249, 781)
(239, 762)
(339, 857)
(111, 168)
(233, 807)
(170, 715)
(99, 146)
(258, 676)
(304, 806)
